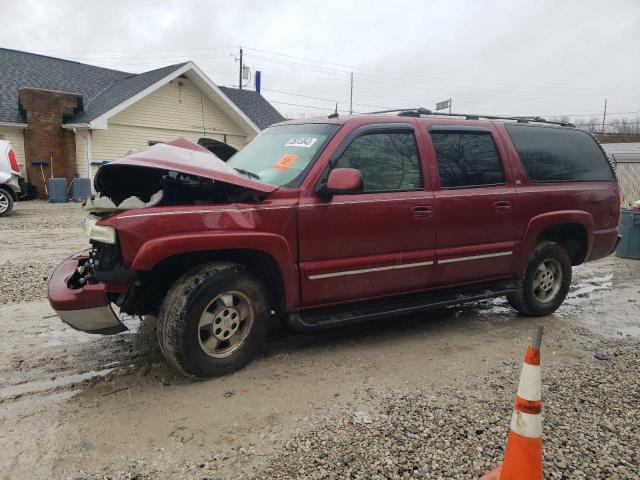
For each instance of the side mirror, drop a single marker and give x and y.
(343, 181)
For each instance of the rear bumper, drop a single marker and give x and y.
(615, 246)
(604, 243)
(87, 308)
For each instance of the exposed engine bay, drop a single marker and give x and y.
(125, 187)
(173, 173)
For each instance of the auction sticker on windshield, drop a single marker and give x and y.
(305, 142)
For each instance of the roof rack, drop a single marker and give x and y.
(418, 112)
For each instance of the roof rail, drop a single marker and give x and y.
(418, 112)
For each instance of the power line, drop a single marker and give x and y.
(352, 67)
(323, 98)
(383, 83)
(330, 109)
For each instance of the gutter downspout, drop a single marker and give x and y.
(89, 154)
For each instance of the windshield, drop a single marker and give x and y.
(280, 155)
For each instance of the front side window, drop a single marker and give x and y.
(387, 161)
(280, 155)
(468, 159)
(553, 154)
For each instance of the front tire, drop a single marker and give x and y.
(545, 283)
(213, 320)
(6, 202)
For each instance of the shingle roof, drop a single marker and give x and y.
(254, 106)
(121, 91)
(22, 69)
(101, 88)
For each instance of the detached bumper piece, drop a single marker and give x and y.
(85, 308)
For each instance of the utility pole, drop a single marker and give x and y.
(450, 106)
(240, 72)
(604, 116)
(351, 97)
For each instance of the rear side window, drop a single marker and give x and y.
(467, 159)
(552, 154)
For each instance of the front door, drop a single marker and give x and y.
(476, 206)
(376, 242)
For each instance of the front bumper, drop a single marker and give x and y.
(86, 308)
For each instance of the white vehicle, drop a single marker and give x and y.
(9, 176)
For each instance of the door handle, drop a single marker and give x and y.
(421, 211)
(502, 206)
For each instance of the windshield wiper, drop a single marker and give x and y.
(247, 173)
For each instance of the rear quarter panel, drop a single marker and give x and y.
(595, 205)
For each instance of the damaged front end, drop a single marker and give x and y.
(173, 173)
(83, 288)
(79, 303)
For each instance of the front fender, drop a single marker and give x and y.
(157, 249)
(540, 223)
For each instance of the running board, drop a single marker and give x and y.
(391, 307)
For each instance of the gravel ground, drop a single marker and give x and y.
(25, 282)
(43, 216)
(591, 429)
(30, 239)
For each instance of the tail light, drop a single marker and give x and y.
(13, 162)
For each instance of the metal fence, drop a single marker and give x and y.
(626, 158)
(629, 179)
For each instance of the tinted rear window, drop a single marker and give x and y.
(559, 154)
(467, 160)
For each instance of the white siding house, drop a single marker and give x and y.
(65, 118)
(176, 109)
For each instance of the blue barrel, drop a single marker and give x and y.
(629, 246)
(57, 188)
(81, 189)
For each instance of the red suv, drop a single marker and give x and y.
(337, 220)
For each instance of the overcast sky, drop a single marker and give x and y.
(503, 57)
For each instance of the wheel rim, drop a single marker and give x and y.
(225, 324)
(4, 202)
(547, 280)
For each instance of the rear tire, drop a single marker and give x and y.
(6, 202)
(213, 320)
(545, 283)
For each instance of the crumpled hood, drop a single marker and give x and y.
(183, 156)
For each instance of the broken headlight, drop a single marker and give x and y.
(99, 233)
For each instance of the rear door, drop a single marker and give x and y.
(376, 242)
(476, 204)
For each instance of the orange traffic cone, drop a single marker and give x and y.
(523, 454)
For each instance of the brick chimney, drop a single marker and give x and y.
(44, 138)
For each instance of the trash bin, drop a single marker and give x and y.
(629, 246)
(57, 190)
(81, 189)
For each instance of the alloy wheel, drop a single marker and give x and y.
(547, 280)
(225, 324)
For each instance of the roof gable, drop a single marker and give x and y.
(121, 91)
